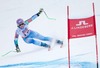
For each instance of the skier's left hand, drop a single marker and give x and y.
(18, 50)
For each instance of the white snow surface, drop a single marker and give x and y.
(82, 50)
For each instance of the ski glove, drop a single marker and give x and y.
(18, 50)
(40, 11)
(16, 44)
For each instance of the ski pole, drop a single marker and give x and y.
(48, 17)
(7, 53)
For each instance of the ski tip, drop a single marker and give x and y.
(49, 49)
(61, 46)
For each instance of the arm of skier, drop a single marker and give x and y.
(34, 16)
(16, 42)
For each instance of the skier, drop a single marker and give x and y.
(29, 35)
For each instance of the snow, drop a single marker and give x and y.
(32, 56)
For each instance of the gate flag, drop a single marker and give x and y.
(81, 27)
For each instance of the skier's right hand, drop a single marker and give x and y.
(41, 10)
(18, 50)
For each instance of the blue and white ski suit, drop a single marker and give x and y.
(29, 35)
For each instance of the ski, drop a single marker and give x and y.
(54, 43)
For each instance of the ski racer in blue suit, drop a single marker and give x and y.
(29, 35)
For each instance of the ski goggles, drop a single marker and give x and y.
(21, 24)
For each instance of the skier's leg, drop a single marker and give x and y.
(52, 40)
(44, 38)
(36, 35)
(41, 37)
(30, 40)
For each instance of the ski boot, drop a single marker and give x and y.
(46, 45)
(60, 42)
